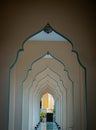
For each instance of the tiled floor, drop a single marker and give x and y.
(47, 126)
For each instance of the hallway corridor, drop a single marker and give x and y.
(47, 68)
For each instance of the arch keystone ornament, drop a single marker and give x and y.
(47, 63)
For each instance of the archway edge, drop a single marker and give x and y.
(42, 29)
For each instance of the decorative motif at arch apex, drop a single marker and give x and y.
(44, 28)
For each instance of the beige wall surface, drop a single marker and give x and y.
(77, 21)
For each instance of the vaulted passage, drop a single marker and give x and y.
(48, 79)
(47, 63)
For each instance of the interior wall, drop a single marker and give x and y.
(75, 20)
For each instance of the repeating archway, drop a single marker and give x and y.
(36, 71)
(50, 78)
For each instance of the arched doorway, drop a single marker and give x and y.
(47, 63)
(47, 81)
(47, 110)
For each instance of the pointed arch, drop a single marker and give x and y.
(71, 72)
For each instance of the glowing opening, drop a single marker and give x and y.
(47, 103)
(47, 107)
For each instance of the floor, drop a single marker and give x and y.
(47, 126)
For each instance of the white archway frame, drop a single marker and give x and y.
(56, 77)
(19, 71)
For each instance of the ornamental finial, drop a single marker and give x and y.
(48, 28)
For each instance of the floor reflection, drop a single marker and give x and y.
(47, 126)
